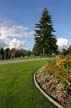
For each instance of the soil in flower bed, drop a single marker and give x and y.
(54, 87)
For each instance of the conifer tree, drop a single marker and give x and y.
(44, 38)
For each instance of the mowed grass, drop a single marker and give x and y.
(17, 89)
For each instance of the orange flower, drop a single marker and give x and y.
(47, 68)
(69, 76)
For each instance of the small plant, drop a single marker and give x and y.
(48, 67)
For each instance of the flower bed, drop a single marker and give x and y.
(55, 80)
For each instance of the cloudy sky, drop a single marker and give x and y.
(18, 19)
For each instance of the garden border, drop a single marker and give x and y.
(47, 96)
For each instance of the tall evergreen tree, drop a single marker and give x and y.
(44, 35)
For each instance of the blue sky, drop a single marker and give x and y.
(26, 13)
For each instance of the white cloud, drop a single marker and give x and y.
(16, 44)
(7, 30)
(13, 30)
(62, 43)
(2, 43)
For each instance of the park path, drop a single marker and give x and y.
(16, 61)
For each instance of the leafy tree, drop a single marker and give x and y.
(7, 53)
(2, 53)
(69, 49)
(44, 37)
(12, 53)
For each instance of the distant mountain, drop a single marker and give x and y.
(22, 52)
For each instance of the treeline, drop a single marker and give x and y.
(13, 53)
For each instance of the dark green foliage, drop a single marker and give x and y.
(2, 53)
(7, 53)
(44, 37)
(12, 53)
(37, 49)
(69, 49)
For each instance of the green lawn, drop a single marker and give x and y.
(17, 89)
